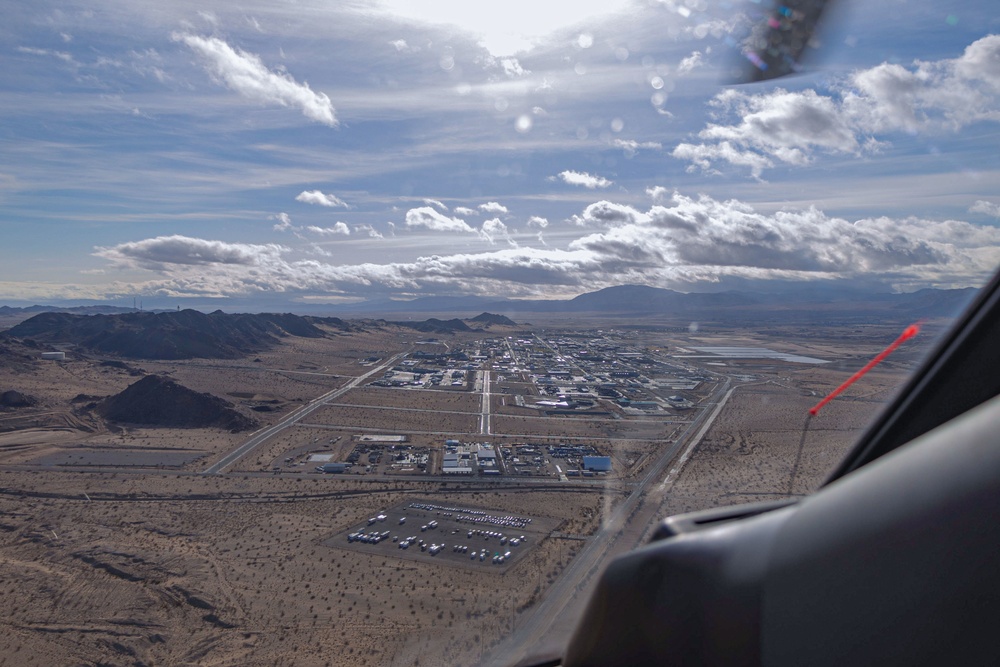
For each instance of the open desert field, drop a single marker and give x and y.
(116, 548)
(752, 452)
(415, 399)
(416, 420)
(572, 427)
(231, 571)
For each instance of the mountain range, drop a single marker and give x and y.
(183, 334)
(810, 301)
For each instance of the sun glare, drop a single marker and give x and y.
(504, 27)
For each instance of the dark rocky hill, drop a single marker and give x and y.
(434, 325)
(183, 334)
(489, 319)
(12, 398)
(159, 401)
(18, 356)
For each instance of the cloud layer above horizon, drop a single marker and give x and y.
(308, 150)
(681, 242)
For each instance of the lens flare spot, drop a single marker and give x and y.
(523, 123)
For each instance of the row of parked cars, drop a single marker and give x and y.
(368, 538)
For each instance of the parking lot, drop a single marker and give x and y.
(456, 536)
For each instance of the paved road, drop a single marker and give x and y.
(577, 576)
(484, 418)
(262, 436)
(451, 434)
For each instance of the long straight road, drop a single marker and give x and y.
(260, 437)
(484, 419)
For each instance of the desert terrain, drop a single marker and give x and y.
(141, 544)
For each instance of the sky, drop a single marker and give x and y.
(275, 153)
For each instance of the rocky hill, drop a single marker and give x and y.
(12, 398)
(488, 319)
(159, 401)
(183, 334)
(434, 325)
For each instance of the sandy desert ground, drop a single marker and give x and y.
(108, 557)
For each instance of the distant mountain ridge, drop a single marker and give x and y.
(184, 334)
(80, 310)
(814, 300)
(192, 334)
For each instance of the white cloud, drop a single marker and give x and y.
(657, 192)
(687, 240)
(607, 213)
(495, 229)
(691, 63)
(320, 199)
(254, 23)
(184, 250)
(538, 221)
(981, 62)
(717, 28)
(435, 202)
(512, 68)
(465, 210)
(339, 228)
(493, 208)
(631, 147)
(399, 44)
(987, 207)
(586, 180)
(247, 75)
(61, 55)
(784, 125)
(704, 155)
(791, 127)
(284, 223)
(427, 217)
(369, 230)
